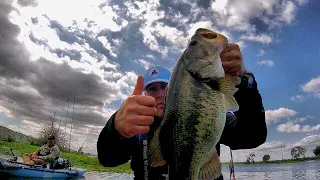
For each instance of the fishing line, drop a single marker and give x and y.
(74, 100)
(232, 167)
(65, 128)
(90, 132)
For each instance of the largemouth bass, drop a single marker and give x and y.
(198, 97)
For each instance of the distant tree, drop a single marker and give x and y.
(11, 139)
(80, 150)
(35, 142)
(250, 158)
(247, 161)
(316, 151)
(266, 158)
(298, 151)
(49, 128)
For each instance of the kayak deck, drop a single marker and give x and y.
(24, 170)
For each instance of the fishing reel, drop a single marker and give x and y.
(14, 158)
(62, 163)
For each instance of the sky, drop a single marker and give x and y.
(51, 51)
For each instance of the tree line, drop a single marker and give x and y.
(296, 153)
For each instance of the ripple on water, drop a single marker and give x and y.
(107, 175)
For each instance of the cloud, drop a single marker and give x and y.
(297, 98)
(268, 63)
(273, 116)
(89, 15)
(302, 119)
(289, 12)
(262, 38)
(261, 52)
(312, 140)
(313, 87)
(28, 2)
(270, 14)
(271, 145)
(34, 88)
(146, 65)
(241, 44)
(276, 149)
(290, 127)
(150, 17)
(308, 128)
(302, 2)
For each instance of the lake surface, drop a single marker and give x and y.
(309, 170)
(298, 171)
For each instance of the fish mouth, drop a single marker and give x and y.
(205, 73)
(198, 77)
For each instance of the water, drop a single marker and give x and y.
(309, 170)
(298, 171)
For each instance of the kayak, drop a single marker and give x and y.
(37, 171)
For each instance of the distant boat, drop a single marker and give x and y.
(37, 171)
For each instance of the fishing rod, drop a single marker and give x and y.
(59, 124)
(74, 100)
(52, 122)
(90, 132)
(65, 128)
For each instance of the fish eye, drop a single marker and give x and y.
(210, 35)
(193, 42)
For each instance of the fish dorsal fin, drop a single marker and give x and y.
(212, 168)
(227, 85)
(155, 155)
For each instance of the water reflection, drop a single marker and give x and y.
(298, 171)
(266, 175)
(299, 174)
(96, 175)
(318, 173)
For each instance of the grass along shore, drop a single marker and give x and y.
(77, 160)
(92, 163)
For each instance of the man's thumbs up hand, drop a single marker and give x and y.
(136, 113)
(138, 89)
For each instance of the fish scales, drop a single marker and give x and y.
(198, 97)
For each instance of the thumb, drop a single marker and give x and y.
(138, 89)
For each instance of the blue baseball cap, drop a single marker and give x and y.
(156, 74)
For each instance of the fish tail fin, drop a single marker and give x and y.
(156, 158)
(212, 168)
(227, 85)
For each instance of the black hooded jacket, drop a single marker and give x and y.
(244, 129)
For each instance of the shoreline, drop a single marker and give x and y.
(92, 163)
(285, 161)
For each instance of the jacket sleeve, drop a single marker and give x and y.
(37, 152)
(112, 148)
(246, 128)
(54, 154)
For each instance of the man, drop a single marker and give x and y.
(47, 153)
(121, 140)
